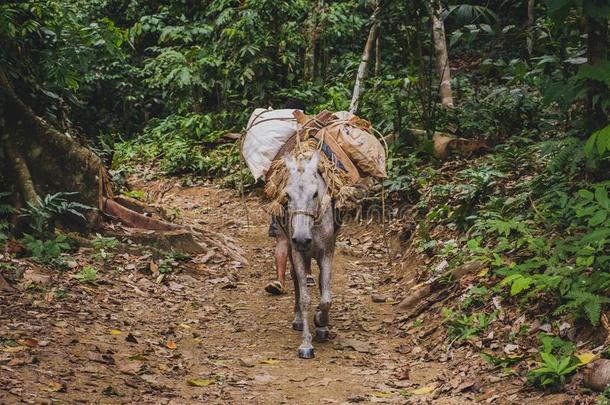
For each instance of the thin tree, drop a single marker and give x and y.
(378, 52)
(442, 57)
(529, 24)
(597, 52)
(364, 62)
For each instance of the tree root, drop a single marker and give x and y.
(139, 206)
(423, 296)
(5, 286)
(168, 236)
(51, 161)
(22, 172)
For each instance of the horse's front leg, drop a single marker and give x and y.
(299, 261)
(321, 316)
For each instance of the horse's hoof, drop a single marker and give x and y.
(296, 325)
(317, 321)
(310, 281)
(306, 353)
(322, 334)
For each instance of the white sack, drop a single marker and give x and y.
(267, 132)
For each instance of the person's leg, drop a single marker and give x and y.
(281, 257)
(282, 245)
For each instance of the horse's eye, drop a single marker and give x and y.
(315, 195)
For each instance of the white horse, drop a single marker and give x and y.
(310, 228)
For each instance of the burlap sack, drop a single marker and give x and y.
(355, 137)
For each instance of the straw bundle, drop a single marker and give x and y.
(339, 185)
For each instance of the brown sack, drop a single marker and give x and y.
(355, 136)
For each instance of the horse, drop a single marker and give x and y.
(309, 226)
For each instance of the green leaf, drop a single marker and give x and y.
(586, 194)
(550, 360)
(563, 363)
(601, 196)
(558, 9)
(600, 140)
(520, 284)
(598, 218)
(599, 72)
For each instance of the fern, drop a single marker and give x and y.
(589, 303)
(565, 154)
(5, 208)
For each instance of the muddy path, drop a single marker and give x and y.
(209, 334)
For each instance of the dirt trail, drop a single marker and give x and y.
(129, 339)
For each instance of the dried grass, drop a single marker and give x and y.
(339, 185)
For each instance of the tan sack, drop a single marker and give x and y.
(267, 131)
(355, 137)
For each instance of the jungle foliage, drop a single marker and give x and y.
(151, 81)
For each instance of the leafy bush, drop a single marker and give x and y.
(5, 210)
(45, 251)
(44, 212)
(87, 274)
(557, 363)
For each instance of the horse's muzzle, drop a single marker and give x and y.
(301, 244)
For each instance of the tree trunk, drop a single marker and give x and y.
(378, 52)
(597, 51)
(310, 54)
(442, 58)
(366, 55)
(311, 50)
(528, 25)
(47, 161)
(21, 170)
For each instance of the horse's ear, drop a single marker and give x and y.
(290, 163)
(312, 165)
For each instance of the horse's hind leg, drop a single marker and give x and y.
(321, 316)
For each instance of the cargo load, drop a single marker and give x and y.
(351, 154)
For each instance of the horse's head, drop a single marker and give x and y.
(304, 191)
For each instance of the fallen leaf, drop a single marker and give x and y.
(154, 267)
(131, 338)
(423, 390)
(130, 367)
(200, 383)
(403, 373)
(14, 349)
(357, 345)
(184, 325)
(586, 357)
(29, 342)
(34, 276)
(465, 385)
(171, 345)
(246, 362)
(510, 348)
(269, 361)
(382, 394)
(115, 332)
(20, 360)
(111, 391)
(100, 358)
(57, 387)
(483, 272)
